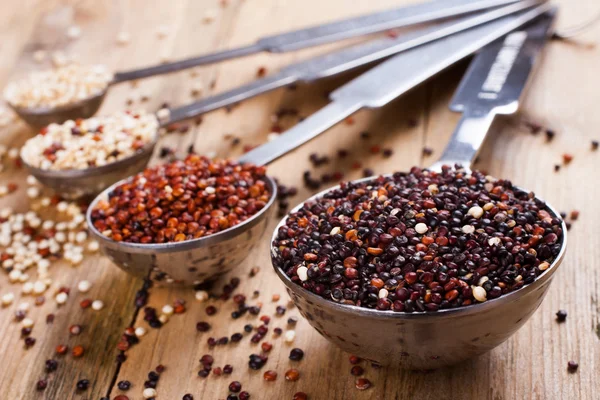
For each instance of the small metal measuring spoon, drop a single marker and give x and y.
(205, 258)
(429, 340)
(315, 35)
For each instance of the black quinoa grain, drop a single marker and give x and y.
(203, 373)
(83, 384)
(235, 387)
(296, 354)
(51, 365)
(124, 385)
(244, 396)
(572, 366)
(236, 337)
(595, 145)
(561, 315)
(257, 361)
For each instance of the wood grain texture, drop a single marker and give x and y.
(531, 365)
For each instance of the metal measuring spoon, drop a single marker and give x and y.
(205, 258)
(428, 340)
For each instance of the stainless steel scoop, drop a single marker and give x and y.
(428, 340)
(77, 183)
(401, 17)
(205, 258)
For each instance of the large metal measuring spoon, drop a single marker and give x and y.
(428, 340)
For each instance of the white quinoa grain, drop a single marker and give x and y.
(479, 294)
(168, 309)
(27, 288)
(149, 393)
(475, 212)
(163, 114)
(33, 192)
(302, 273)
(13, 153)
(61, 298)
(84, 286)
(31, 180)
(27, 323)
(93, 246)
(494, 241)
(140, 331)
(421, 228)
(543, 266)
(468, 229)
(7, 299)
(97, 305)
(289, 336)
(201, 295)
(39, 287)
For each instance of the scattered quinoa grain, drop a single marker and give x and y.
(149, 393)
(270, 376)
(572, 366)
(292, 375)
(97, 305)
(561, 315)
(362, 384)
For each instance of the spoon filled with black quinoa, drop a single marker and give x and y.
(418, 241)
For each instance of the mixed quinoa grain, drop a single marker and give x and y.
(91, 142)
(182, 200)
(59, 86)
(419, 241)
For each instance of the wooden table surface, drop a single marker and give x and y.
(532, 364)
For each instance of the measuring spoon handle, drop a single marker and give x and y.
(185, 64)
(308, 129)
